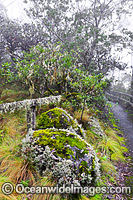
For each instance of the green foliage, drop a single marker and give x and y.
(25, 183)
(96, 197)
(103, 110)
(111, 133)
(111, 116)
(46, 69)
(110, 147)
(92, 137)
(1, 135)
(64, 144)
(85, 28)
(6, 76)
(88, 84)
(89, 87)
(117, 156)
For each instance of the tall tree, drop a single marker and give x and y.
(3, 17)
(89, 25)
(16, 37)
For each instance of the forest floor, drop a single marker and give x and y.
(115, 171)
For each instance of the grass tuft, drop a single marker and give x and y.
(107, 167)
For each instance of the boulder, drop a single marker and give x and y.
(63, 154)
(59, 119)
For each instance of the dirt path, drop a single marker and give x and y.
(126, 123)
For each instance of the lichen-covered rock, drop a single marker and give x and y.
(28, 103)
(69, 158)
(60, 119)
(95, 126)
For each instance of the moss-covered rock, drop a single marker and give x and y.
(59, 150)
(64, 154)
(60, 119)
(61, 141)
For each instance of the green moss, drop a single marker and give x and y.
(59, 119)
(67, 145)
(59, 140)
(96, 197)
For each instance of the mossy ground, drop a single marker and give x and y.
(13, 168)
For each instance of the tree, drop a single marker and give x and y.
(89, 26)
(6, 76)
(3, 16)
(53, 16)
(46, 69)
(19, 37)
(16, 37)
(88, 87)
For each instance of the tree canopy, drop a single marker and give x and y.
(88, 25)
(87, 31)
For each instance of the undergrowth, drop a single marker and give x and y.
(14, 169)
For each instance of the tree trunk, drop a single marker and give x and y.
(82, 110)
